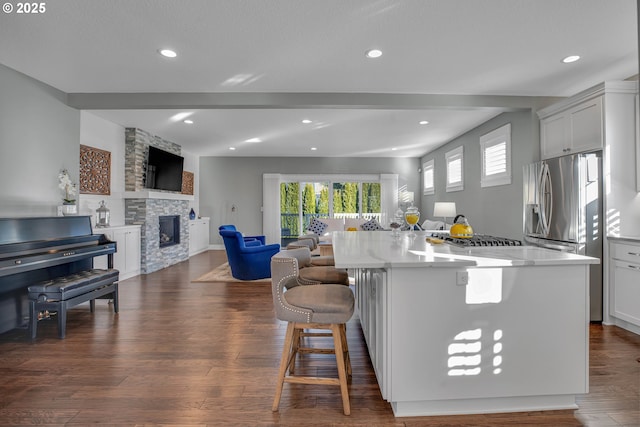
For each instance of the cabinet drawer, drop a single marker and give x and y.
(625, 252)
(625, 303)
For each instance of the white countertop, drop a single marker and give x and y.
(380, 249)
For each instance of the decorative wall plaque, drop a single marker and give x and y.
(95, 171)
(187, 183)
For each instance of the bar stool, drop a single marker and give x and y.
(315, 307)
(302, 243)
(314, 237)
(306, 273)
(310, 273)
(311, 241)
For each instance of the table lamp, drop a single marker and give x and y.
(444, 210)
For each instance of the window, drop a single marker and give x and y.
(455, 171)
(428, 186)
(371, 200)
(300, 201)
(284, 206)
(495, 148)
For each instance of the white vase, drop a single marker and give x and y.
(69, 210)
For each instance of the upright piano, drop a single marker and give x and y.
(35, 249)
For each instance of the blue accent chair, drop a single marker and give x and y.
(248, 262)
(248, 240)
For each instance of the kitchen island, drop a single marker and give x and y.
(470, 330)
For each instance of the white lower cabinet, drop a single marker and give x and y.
(624, 284)
(371, 301)
(198, 235)
(127, 257)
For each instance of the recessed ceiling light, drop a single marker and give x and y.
(306, 121)
(168, 53)
(373, 53)
(572, 58)
(189, 122)
(424, 122)
(394, 149)
(232, 148)
(254, 140)
(314, 148)
(180, 117)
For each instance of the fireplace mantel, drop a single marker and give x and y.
(160, 195)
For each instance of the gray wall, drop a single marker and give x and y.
(39, 136)
(231, 188)
(492, 210)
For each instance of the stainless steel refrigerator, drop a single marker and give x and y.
(563, 211)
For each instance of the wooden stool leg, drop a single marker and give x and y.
(345, 349)
(295, 345)
(337, 329)
(284, 363)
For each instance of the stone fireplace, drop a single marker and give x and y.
(162, 245)
(147, 212)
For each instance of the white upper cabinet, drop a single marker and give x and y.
(575, 127)
(586, 124)
(553, 136)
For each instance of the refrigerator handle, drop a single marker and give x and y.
(548, 209)
(541, 199)
(539, 202)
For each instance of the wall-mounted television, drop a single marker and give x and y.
(164, 170)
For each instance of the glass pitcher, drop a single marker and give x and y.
(412, 216)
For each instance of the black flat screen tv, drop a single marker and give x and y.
(164, 170)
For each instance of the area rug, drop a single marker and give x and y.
(222, 273)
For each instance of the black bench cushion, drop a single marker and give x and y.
(66, 287)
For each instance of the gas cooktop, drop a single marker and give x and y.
(477, 240)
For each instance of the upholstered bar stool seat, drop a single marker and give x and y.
(327, 303)
(317, 307)
(308, 273)
(302, 243)
(313, 237)
(325, 274)
(321, 260)
(315, 258)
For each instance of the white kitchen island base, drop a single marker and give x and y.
(476, 330)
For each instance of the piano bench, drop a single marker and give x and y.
(64, 292)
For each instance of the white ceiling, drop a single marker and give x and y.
(256, 68)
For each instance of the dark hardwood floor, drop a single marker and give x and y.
(207, 354)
